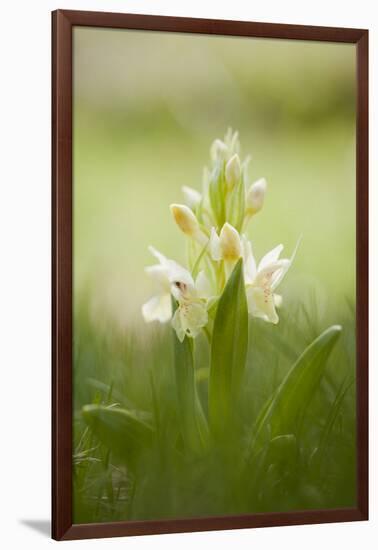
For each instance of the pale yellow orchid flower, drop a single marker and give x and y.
(191, 295)
(262, 280)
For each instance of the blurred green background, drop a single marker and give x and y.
(147, 107)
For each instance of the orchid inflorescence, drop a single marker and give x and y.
(214, 222)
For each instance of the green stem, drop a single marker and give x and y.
(208, 335)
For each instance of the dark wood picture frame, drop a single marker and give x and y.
(62, 26)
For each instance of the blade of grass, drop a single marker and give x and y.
(120, 430)
(298, 387)
(319, 455)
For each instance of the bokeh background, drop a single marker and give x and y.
(147, 107)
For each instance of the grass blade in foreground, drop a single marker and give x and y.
(228, 351)
(121, 431)
(298, 387)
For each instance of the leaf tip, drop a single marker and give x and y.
(334, 330)
(88, 411)
(331, 334)
(238, 266)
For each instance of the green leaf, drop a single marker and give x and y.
(286, 409)
(192, 419)
(228, 352)
(108, 391)
(121, 431)
(202, 374)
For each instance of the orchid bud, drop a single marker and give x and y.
(188, 223)
(214, 246)
(218, 150)
(230, 243)
(233, 171)
(255, 196)
(192, 196)
(231, 139)
(184, 218)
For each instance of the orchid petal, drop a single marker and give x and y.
(158, 308)
(218, 150)
(250, 269)
(261, 304)
(255, 196)
(159, 274)
(158, 255)
(270, 273)
(203, 286)
(174, 271)
(189, 318)
(278, 279)
(270, 257)
(192, 196)
(177, 325)
(230, 243)
(193, 318)
(280, 274)
(178, 274)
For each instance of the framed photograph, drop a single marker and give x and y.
(210, 274)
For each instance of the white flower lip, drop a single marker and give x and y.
(191, 314)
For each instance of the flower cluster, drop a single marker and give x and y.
(214, 222)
